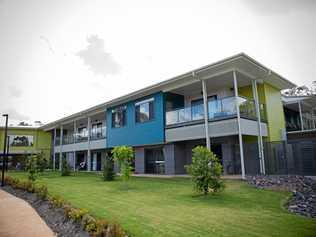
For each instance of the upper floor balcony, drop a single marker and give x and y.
(184, 117)
(95, 134)
(218, 109)
(82, 133)
(300, 113)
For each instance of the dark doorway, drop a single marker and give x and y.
(81, 161)
(95, 164)
(154, 161)
(217, 150)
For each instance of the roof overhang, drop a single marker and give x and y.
(306, 100)
(240, 62)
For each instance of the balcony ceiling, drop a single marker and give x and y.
(214, 84)
(307, 103)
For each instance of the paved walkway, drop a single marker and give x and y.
(19, 219)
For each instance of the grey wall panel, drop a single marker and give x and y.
(140, 160)
(216, 129)
(180, 158)
(98, 144)
(168, 151)
(94, 145)
(250, 127)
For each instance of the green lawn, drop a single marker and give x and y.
(167, 207)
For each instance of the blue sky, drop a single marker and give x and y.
(59, 57)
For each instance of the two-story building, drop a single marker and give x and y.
(23, 141)
(224, 105)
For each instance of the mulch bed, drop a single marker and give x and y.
(54, 217)
(303, 201)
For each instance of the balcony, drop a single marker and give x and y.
(219, 109)
(98, 133)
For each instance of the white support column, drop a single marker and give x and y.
(54, 154)
(301, 115)
(205, 103)
(88, 160)
(260, 141)
(61, 147)
(89, 151)
(239, 127)
(74, 140)
(313, 118)
(75, 131)
(74, 157)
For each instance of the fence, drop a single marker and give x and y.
(297, 157)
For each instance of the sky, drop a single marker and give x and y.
(60, 57)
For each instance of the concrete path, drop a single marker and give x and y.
(19, 219)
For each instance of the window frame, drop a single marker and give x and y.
(120, 109)
(151, 110)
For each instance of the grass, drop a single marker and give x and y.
(168, 207)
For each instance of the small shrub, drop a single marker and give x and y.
(31, 167)
(205, 170)
(89, 223)
(124, 155)
(57, 201)
(76, 214)
(101, 227)
(67, 209)
(29, 186)
(65, 169)
(115, 230)
(108, 173)
(41, 161)
(11, 181)
(41, 191)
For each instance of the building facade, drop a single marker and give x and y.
(223, 106)
(25, 141)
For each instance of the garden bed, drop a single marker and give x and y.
(303, 201)
(54, 217)
(60, 215)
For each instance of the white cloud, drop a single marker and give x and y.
(15, 115)
(95, 57)
(15, 91)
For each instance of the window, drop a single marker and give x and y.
(21, 140)
(119, 117)
(144, 110)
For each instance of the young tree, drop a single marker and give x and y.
(205, 171)
(124, 155)
(108, 173)
(31, 167)
(41, 161)
(65, 169)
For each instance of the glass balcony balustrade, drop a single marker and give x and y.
(98, 133)
(57, 141)
(217, 110)
(68, 139)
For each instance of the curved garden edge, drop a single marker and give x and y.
(303, 189)
(60, 216)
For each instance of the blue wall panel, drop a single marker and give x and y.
(137, 134)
